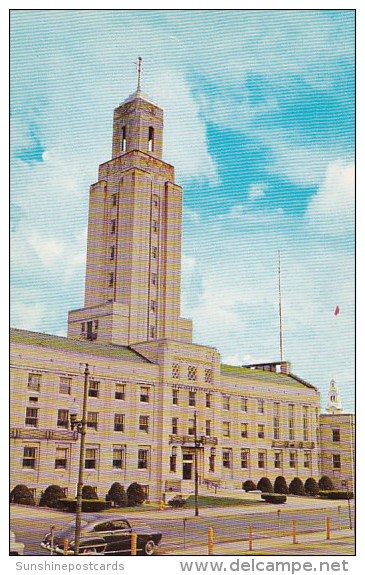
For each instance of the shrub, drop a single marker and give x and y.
(325, 483)
(280, 485)
(117, 495)
(273, 498)
(22, 495)
(249, 485)
(296, 486)
(51, 496)
(265, 485)
(87, 505)
(177, 501)
(136, 494)
(89, 492)
(311, 487)
(336, 494)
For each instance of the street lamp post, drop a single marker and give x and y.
(198, 443)
(81, 429)
(345, 483)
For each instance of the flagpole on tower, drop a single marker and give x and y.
(280, 309)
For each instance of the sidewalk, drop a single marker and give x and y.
(341, 543)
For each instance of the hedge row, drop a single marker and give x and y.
(296, 486)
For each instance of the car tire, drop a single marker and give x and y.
(149, 547)
(92, 551)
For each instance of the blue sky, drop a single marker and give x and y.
(259, 112)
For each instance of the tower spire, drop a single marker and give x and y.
(139, 66)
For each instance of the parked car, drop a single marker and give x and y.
(103, 537)
(16, 548)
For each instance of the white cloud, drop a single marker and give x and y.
(332, 209)
(256, 191)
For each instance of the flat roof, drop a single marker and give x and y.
(264, 376)
(82, 346)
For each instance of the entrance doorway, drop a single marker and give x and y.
(187, 466)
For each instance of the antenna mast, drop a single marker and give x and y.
(280, 311)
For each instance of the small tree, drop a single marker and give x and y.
(311, 487)
(22, 495)
(280, 485)
(296, 486)
(51, 496)
(136, 494)
(89, 492)
(325, 484)
(249, 485)
(117, 495)
(265, 485)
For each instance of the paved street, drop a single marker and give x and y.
(182, 531)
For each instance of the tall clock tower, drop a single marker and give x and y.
(133, 269)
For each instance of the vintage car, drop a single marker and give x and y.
(108, 536)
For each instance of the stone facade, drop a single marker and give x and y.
(337, 444)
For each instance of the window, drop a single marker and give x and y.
(261, 431)
(336, 435)
(153, 279)
(113, 226)
(212, 459)
(244, 458)
(142, 458)
(260, 406)
(227, 458)
(154, 252)
(191, 427)
(34, 381)
(226, 429)
(92, 420)
(208, 377)
(144, 423)
(192, 398)
(120, 391)
(276, 427)
(174, 426)
(244, 427)
(155, 226)
(61, 458)
(83, 327)
(118, 457)
(119, 421)
(244, 404)
(124, 139)
(153, 305)
(208, 400)
(112, 252)
(145, 394)
(30, 457)
(65, 385)
(62, 418)
(90, 458)
(278, 459)
(175, 397)
(291, 422)
(31, 417)
(192, 372)
(151, 135)
(292, 459)
(307, 459)
(261, 460)
(208, 428)
(175, 371)
(33, 399)
(173, 458)
(226, 402)
(336, 461)
(114, 199)
(111, 279)
(93, 388)
(305, 423)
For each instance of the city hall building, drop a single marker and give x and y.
(156, 400)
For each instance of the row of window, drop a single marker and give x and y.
(31, 455)
(150, 139)
(32, 420)
(246, 463)
(192, 373)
